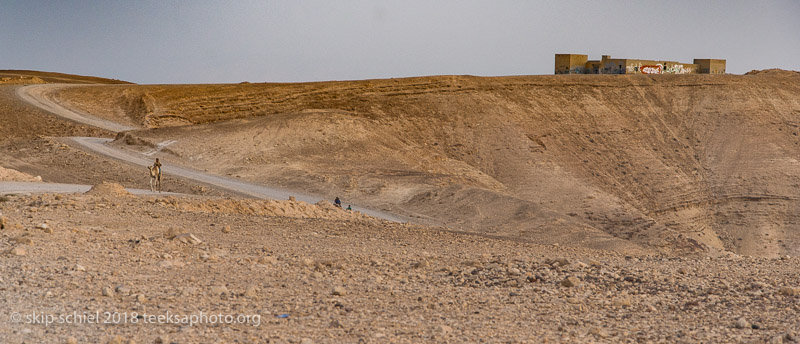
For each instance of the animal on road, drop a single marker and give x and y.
(155, 178)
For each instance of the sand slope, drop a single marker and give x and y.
(679, 162)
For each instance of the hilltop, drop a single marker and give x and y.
(32, 76)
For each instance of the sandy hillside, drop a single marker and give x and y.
(672, 163)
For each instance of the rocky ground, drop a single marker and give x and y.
(291, 272)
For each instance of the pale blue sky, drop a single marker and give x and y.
(233, 41)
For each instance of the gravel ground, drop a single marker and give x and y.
(291, 272)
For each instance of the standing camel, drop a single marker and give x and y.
(155, 178)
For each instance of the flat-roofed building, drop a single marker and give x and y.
(571, 64)
(710, 66)
(580, 64)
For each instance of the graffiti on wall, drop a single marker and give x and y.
(651, 69)
(613, 68)
(577, 70)
(678, 69)
(659, 68)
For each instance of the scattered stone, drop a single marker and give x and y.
(338, 291)
(790, 291)
(741, 323)
(557, 262)
(308, 262)
(570, 282)
(292, 199)
(141, 298)
(473, 263)
(3, 222)
(72, 340)
(45, 227)
(219, 289)
(122, 289)
(252, 291)
(17, 251)
(166, 264)
(107, 291)
(268, 260)
(306, 341)
(22, 240)
(444, 329)
(598, 332)
(622, 302)
(79, 267)
(421, 264)
(580, 265)
(226, 229)
(188, 238)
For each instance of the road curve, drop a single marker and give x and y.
(37, 95)
(42, 97)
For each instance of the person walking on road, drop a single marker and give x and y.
(157, 168)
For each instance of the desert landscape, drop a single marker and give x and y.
(567, 208)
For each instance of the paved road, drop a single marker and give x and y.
(37, 95)
(7, 188)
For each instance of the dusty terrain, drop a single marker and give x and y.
(546, 209)
(673, 163)
(341, 277)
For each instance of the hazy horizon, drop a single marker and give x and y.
(271, 41)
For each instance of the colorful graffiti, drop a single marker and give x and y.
(652, 69)
(678, 69)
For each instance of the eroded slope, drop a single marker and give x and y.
(673, 162)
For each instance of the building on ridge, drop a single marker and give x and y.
(580, 64)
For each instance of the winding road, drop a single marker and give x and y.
(41, 96)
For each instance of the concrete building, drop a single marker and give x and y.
(580, 64)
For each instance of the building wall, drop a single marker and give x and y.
(579, 64)
(571, 64)
(710, 66)
(659, 67)
(612, 66)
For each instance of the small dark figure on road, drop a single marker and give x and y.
(337, 202)
(349, 208)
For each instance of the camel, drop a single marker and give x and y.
(155, 178)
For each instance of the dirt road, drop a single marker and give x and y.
(38, 96)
